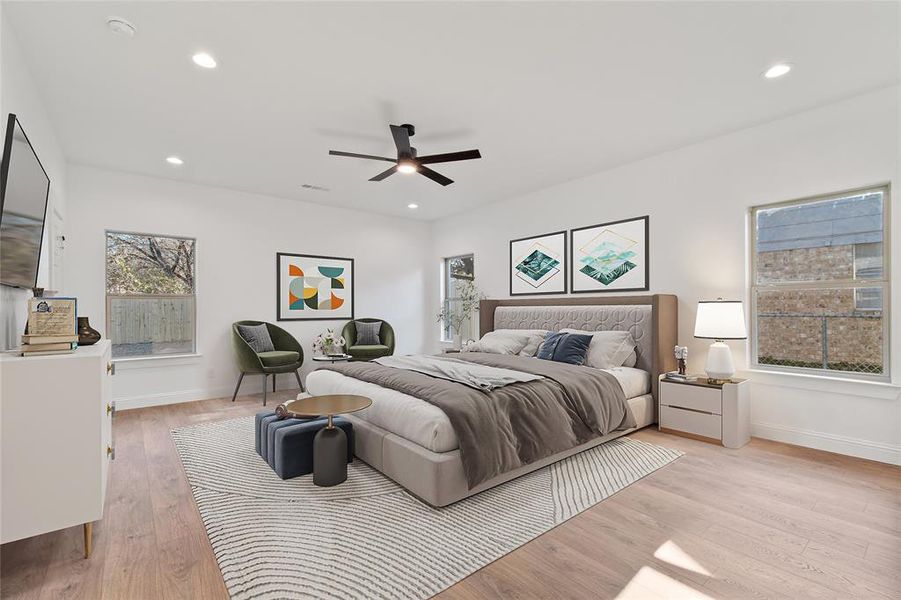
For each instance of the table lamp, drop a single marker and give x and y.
(720, 320)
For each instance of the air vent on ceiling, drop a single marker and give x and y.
(317, 188)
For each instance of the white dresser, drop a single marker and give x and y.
(56, 425)
(713, 412)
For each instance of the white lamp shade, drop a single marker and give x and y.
(720, 320)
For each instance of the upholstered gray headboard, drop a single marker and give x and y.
(652, 320)
(635, 319)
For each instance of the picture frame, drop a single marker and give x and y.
(52, 316)
(326, 295)
(539, 264)
(610, 257)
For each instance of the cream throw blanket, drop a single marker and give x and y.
(480, 377)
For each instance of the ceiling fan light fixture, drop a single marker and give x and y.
(407, 167)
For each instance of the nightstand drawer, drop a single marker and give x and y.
(695, 397)
(689, 421)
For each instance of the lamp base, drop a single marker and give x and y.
(720, 367)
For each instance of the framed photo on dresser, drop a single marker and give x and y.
(610, 257)
(538, 265)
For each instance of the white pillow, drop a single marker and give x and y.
(632, 360)
(501, 341)
(608, 349)
(536, 337)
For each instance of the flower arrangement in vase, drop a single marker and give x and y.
(328, 343)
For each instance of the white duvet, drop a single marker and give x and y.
(423, 423)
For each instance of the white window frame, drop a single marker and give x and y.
(857, 301)
(194, 352)
(884, 283)
(445, 281)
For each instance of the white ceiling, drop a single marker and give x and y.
(547, 91)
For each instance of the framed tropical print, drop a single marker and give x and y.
(610, 257)
(538, 265)
(314, 287)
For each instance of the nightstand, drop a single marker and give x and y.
(718, 413)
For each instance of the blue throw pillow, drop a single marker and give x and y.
(569, 348)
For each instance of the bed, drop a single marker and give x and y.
(413, 441)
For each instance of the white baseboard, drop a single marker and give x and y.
(887, 453)
(171, 398)
(147, 400)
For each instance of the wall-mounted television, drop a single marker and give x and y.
(24, 191)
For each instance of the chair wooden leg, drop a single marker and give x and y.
(299, 382)
(265, 382)
(237, 387)
(273, 381)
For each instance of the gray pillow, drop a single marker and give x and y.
(257, 337)
(368, 333)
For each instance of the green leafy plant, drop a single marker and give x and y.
(456, 311)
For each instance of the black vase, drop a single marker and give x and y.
(87, 335)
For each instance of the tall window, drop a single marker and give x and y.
(820, 284)
(150, 285)
(457, 271)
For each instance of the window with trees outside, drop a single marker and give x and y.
(458, 270)
(820, 285)
(150, 285)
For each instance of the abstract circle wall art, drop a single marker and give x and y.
(314, 287)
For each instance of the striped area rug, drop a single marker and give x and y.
(368, 538)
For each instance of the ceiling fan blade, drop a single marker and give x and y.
(385, 174)
(436, 177)
(449, 157)
(401, 140)
(354, 155)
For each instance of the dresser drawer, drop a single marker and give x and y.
(689, 421)
(695, 397)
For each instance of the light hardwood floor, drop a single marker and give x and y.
(766, 521)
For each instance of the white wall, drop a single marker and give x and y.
(698, 199)
(19, 95)
(238, 235)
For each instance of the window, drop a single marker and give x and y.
(457, 271)
(868, 265)
(150, 304)
(820, 284)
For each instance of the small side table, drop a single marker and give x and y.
(718, 413)
(330, 443)
(333, 358)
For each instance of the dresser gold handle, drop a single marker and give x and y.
(111, 409)
(110, 368)
(111, 452)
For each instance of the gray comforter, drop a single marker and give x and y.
(519, 423)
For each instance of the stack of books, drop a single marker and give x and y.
(676, 376)
(48, 345)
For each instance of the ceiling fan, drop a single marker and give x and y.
(407, 161)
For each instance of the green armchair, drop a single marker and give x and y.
(286, 358)
(358, 352)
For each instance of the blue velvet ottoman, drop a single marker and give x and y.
(287, 444)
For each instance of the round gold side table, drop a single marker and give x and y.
(330, 443)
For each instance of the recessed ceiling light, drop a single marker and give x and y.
(174, 160)
(412, 205)
(120, 26)
(777, 70)
(202, 59)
